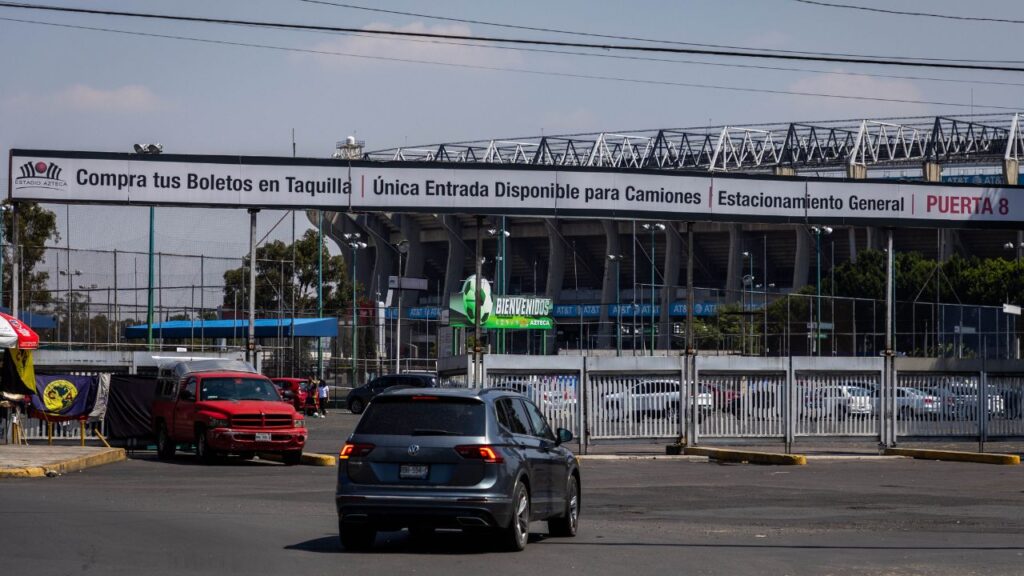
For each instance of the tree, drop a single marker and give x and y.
(36, 227)
(275, 289)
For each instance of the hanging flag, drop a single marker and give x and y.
(64, 396)
(19, 374)
(99, 407)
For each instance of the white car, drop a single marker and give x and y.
(914, 403)
(838, 402)
(654, 399)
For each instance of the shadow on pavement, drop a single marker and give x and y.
(401, 542)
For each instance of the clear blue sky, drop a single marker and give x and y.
(77, 89)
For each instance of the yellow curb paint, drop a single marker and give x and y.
(29, 472)
(308, 458)
(748, 456)
(108, 456)
(319, 459)
(955, 456)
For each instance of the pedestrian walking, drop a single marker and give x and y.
(321, 396)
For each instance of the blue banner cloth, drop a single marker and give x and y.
(64, 395)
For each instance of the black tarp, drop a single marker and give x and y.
(130, 406)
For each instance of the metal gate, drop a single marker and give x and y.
(837, 403)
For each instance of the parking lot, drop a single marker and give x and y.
(639, 516)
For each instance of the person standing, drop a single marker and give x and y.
(321, 396)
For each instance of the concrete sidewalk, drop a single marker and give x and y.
(807, 446)
(35, 461)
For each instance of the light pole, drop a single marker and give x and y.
(148, 149)
(617, 260)
(402, 247)
(88, 317)
(500, 234)
(748, 297)
(818, 231)
(319, 290)
(1015, 246)
(653, 227)
(356, 245)
(69, 275)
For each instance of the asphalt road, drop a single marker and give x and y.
(639, 517)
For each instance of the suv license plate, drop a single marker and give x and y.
(263, 436)
(413, 471)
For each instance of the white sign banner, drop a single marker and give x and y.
(243, 182)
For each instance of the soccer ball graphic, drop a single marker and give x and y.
(470, 302)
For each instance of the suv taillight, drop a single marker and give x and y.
(350, 450)
(480, 452)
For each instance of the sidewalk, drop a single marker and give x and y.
(809, 447)
(35, 461)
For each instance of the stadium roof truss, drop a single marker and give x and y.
(801, 146)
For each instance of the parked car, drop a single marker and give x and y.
(549, 396)
(360, 397)
(654, 399)
(224, 407)
(960, 401)
(724, 398)
(914, 403)
(479, 460)
(298, 391)
(838, 402)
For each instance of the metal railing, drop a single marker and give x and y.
(798, 399)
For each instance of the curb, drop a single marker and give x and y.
(620, 457)
(955, 456)
(308, 458)
(108, 456)
(747, 456)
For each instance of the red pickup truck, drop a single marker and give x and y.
(224, 407)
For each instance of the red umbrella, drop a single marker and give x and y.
(16, 334)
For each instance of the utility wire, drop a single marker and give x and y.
(617, 37)
(702, 62)
(909, 13)
(520, 41)
(643, 58)
(518, 70)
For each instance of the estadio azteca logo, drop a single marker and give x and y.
(39, 175)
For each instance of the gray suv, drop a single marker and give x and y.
(476, 460)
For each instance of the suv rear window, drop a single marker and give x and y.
(423, 416)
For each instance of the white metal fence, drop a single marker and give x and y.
(603, 399)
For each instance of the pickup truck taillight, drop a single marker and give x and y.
(350, 450)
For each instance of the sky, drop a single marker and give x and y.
(66, 88)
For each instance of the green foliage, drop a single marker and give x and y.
(988, 282)
(275, 289)
(36, 227)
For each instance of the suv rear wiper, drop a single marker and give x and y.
(433, 432)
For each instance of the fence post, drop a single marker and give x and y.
(584, 410)
(686, 400)
(982, 409)
(789, 411)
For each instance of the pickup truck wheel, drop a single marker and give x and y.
(164, 445)
(355, 538)
(356, 406)
(292, 457)
(203, 451)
